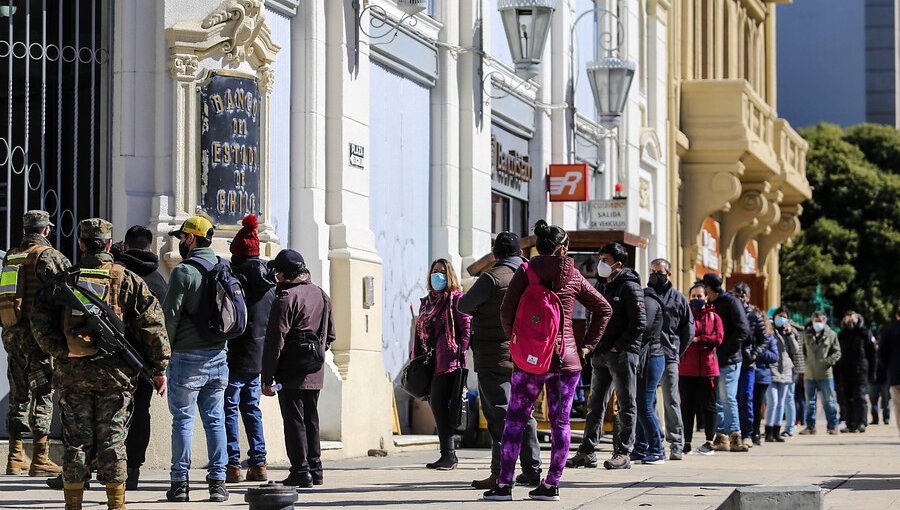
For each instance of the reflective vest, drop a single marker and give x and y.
(105, 282)
(19, 284)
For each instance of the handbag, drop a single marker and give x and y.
(459, 408)
(416, 375)
(303, 352)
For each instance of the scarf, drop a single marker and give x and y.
(435, 310)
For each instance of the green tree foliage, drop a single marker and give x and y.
(850, 243)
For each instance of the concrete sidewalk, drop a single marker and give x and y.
(857, 471)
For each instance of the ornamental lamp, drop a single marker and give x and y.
(527, 24)
(412, 7)
(610, 80)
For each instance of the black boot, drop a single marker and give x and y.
(179, 492)
(131, 483)
(217, 491)
(301, 480)
(776, 434)
(769, 434)
(447, 462)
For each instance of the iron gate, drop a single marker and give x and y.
(55, 150)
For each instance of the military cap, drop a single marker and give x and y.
(95, 228)
(197, 225)
(36, 219)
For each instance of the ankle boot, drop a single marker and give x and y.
(74, 495)
(41, 465)
(134, 477)
(776, 434)
(115, 496)
(17, 463)
(769, 438)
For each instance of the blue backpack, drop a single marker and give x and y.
(222, 314)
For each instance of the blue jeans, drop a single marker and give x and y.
(198, 378)
(648, 441)
(242, 400)
(826, 386)
(776, 396)
(746, 382)
(790, 406)
(727, 405)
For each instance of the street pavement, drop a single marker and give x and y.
(856, 471)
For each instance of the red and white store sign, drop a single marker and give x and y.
(568, 183)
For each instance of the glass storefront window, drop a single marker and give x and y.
(508, 214)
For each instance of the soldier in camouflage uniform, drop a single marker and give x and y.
(29, 368)
(96, 389)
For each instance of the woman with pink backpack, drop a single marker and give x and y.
(537, 315)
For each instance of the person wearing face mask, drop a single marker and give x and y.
(782, 374)
(822, 351)
(677, 333)
(857, 362)
(699, 371)
(444, 330)
(616, 362)
(794, 399)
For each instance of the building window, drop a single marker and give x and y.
(508, 214)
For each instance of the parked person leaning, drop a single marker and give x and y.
(617, 360)
(443, 329)
(699, 371)
(889, 354)
(822, 351)
(301, 308)
(794, 400)
(136, 256)
(648, 445)
(677, 333)
(494, 366)
(198, 372)
(782, 375)
(29, 368)
(245, 357)
(856, 353)
(557, 272)
(730, 355)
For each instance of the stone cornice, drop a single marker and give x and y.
(284, 7)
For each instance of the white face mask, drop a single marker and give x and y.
(603, 270)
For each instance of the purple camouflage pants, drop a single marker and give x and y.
(525, 390)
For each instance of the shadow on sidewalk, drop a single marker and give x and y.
(864, 482)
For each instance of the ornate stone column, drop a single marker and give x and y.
(745, 216)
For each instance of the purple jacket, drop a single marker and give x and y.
(446, 357)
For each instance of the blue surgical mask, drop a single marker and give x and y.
(698, 303)
(819, 326)
(438, 281)
(780, 321)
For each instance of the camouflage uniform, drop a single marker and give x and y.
(96, 391)
(31, 409)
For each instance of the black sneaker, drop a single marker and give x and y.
(545, 493)
(618, 461)
(217, 491)
(447, 462)
(300, 480)
(528, 480)
(581, 459)
(498, 493)
(318, 479)
(178, 493)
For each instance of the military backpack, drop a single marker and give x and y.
(19, 284)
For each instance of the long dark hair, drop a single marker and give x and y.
(550, 238)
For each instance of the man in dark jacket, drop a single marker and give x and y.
(750, 394)
(677, 333)
(854, 367)
(889, 354)
(737, 331)
(245, 357)
(137, 258)
(615, 363)
(648, 446)
(493, 363)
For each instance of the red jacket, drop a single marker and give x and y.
(560, 275)
(700, 359)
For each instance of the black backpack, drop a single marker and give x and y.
(222, 314)
(303, 352)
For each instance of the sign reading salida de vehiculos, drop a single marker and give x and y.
(608, 214)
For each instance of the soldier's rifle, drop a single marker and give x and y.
(104, 326)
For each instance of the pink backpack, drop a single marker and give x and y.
(537, 326)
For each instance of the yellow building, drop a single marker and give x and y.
(739, 171)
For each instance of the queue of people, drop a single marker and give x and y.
(218, 336)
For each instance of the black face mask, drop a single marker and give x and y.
(183, 249)
(657, 281)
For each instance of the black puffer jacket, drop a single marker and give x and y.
(146, 265)
(654, 311)
(625, 330)
(758, 339)
(489, 343)
(245, 351)
(737, 329)
(857, 351)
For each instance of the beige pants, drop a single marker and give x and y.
(895, 401)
